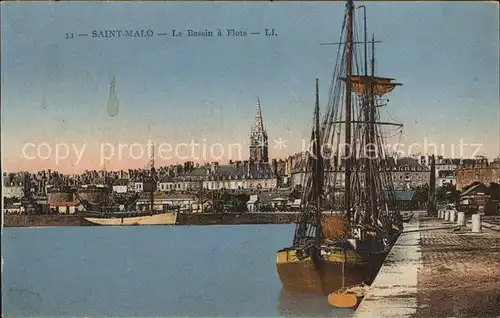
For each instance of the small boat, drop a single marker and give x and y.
(349, 297)
(109, 214)
(134, 218)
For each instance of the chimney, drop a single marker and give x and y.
(422, 160)
(27, 183)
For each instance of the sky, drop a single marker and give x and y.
(183, 90)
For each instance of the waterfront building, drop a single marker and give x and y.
(166, 184)
(12, 188)
(252, 204)
(241, 175)
(407, 173)
(165, 202)
(141, 182)
(16, 184)
(15, 208)
(66, 207)
(120, 186)
(478, 171)
(180, 178)
(446, 171)
(477, 199)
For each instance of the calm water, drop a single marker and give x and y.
(150, 271)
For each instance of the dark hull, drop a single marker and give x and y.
(324, 276)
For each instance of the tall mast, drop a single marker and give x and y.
(318, 164)
(373, 55)
(370, 200)
(347, 149)
(365, 41)
(371, 134)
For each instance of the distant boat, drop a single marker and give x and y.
(134, 218)
(108, 213)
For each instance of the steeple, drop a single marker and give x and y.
(258, 138)
(258, 125)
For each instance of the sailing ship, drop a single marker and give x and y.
(332, 250)
(109, 213)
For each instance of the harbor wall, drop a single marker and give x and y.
(235, 218)
(12, 220)
(393, 293)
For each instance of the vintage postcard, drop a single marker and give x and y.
(250, 159)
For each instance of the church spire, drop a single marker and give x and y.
(258, 125)
(258, 138)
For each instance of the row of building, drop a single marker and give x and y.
(248, 175)
(256, 173)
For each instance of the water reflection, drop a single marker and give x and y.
(117, 272)
(292, 304)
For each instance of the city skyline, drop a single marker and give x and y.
(178, 90)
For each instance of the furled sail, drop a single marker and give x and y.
(381, 85)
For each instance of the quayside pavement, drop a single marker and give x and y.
(432, 272)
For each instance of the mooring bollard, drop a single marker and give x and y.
(447, 215)
(461, 219)
(453, 216)
(476, 223)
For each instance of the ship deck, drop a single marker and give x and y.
(437, 273)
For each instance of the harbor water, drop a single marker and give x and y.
(156, 271)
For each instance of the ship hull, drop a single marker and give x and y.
(324, 275)
(167, 218)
